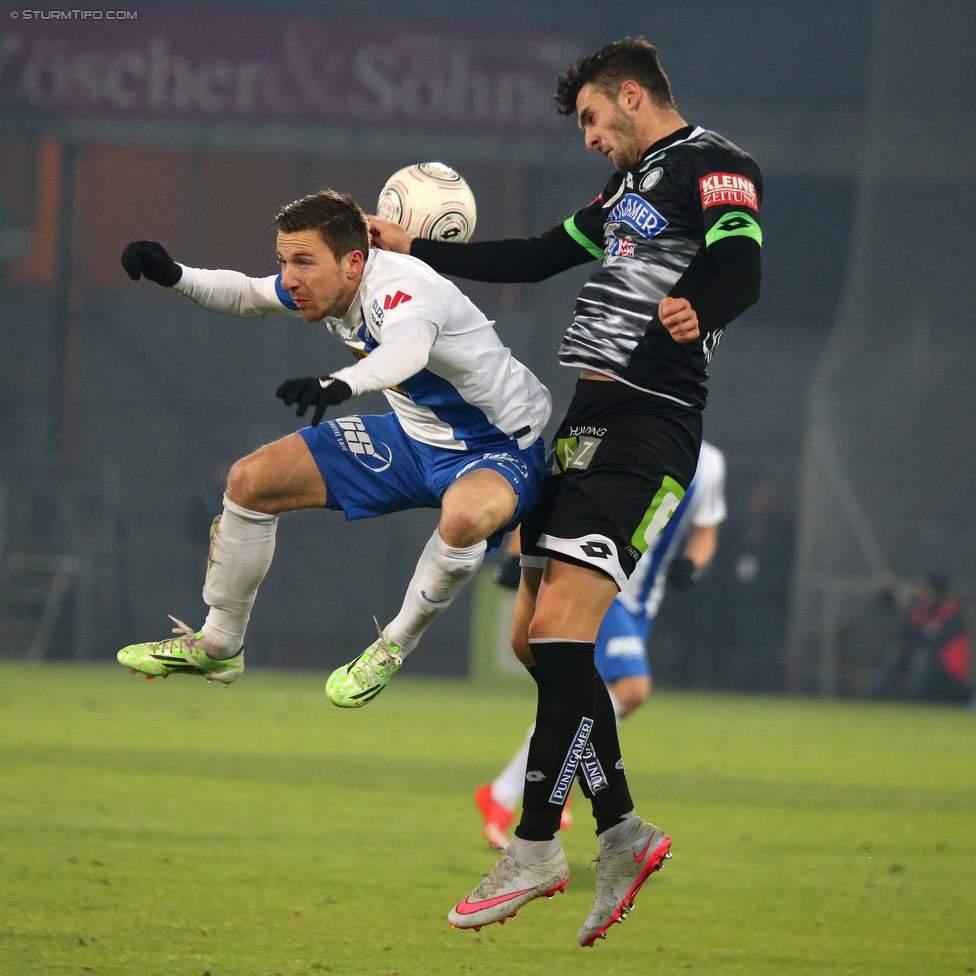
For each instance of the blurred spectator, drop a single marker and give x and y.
(762, 552)
(931, 660)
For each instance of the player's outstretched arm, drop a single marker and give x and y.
(518, 260)
(229, 292)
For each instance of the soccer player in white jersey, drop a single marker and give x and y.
(464, 434)
(621, 643)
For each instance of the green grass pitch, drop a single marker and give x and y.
(180, 828)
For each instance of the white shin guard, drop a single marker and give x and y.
(441, 573)
(242, 544)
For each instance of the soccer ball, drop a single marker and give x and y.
(429, 200)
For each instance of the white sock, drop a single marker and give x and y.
(440, 575)
(507, 787)
(618, 709)
(241, 547)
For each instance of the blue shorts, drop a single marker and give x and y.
(372, 467)
(621, 644)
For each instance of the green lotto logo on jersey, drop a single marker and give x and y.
(635, 212)
(352, 436)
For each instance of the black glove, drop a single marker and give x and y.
(312, 391)
(150, 260)
(683, 574)
(508, 573)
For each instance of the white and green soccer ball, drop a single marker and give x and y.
(429, 200)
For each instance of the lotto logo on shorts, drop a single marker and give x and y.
(726, 188)
(376, 457)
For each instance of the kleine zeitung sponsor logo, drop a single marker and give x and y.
(728, 188)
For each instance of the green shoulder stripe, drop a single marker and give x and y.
(577, 235)
(735, 224)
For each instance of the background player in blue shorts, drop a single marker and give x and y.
(464, 434)
(682, 552)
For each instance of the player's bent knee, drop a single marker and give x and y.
(240, 483)
(632, 692)
(462, 528)
(249, 484)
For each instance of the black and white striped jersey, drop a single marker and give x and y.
(683, 222)
(652, 227)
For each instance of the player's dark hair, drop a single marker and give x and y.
(336, 216)
(630, 59)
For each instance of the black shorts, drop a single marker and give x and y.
(620, 465)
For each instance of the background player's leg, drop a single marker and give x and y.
(621, 657)
(530, 580)
(278, 477)
(475, 507)
(628, 694)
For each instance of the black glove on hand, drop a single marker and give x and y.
(150, 260)
(683, 574)
(508, 573)
(312, 391)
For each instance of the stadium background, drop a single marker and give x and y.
(847, 391)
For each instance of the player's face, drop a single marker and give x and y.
(318, 284)
(608, 127)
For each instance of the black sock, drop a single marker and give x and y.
(613, 800)
(564, 718)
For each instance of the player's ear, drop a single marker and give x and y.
(356, 261)
(630, 94)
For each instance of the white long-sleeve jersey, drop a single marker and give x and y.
(432, 352)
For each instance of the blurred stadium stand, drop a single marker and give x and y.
(192, 125)
(889, 472)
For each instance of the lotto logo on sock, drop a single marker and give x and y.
(352, 435)
(564, 781)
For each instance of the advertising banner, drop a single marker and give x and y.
(268, 68)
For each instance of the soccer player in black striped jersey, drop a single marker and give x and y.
(677, 231)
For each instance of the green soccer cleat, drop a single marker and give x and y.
(357, 683)
(180, 655)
